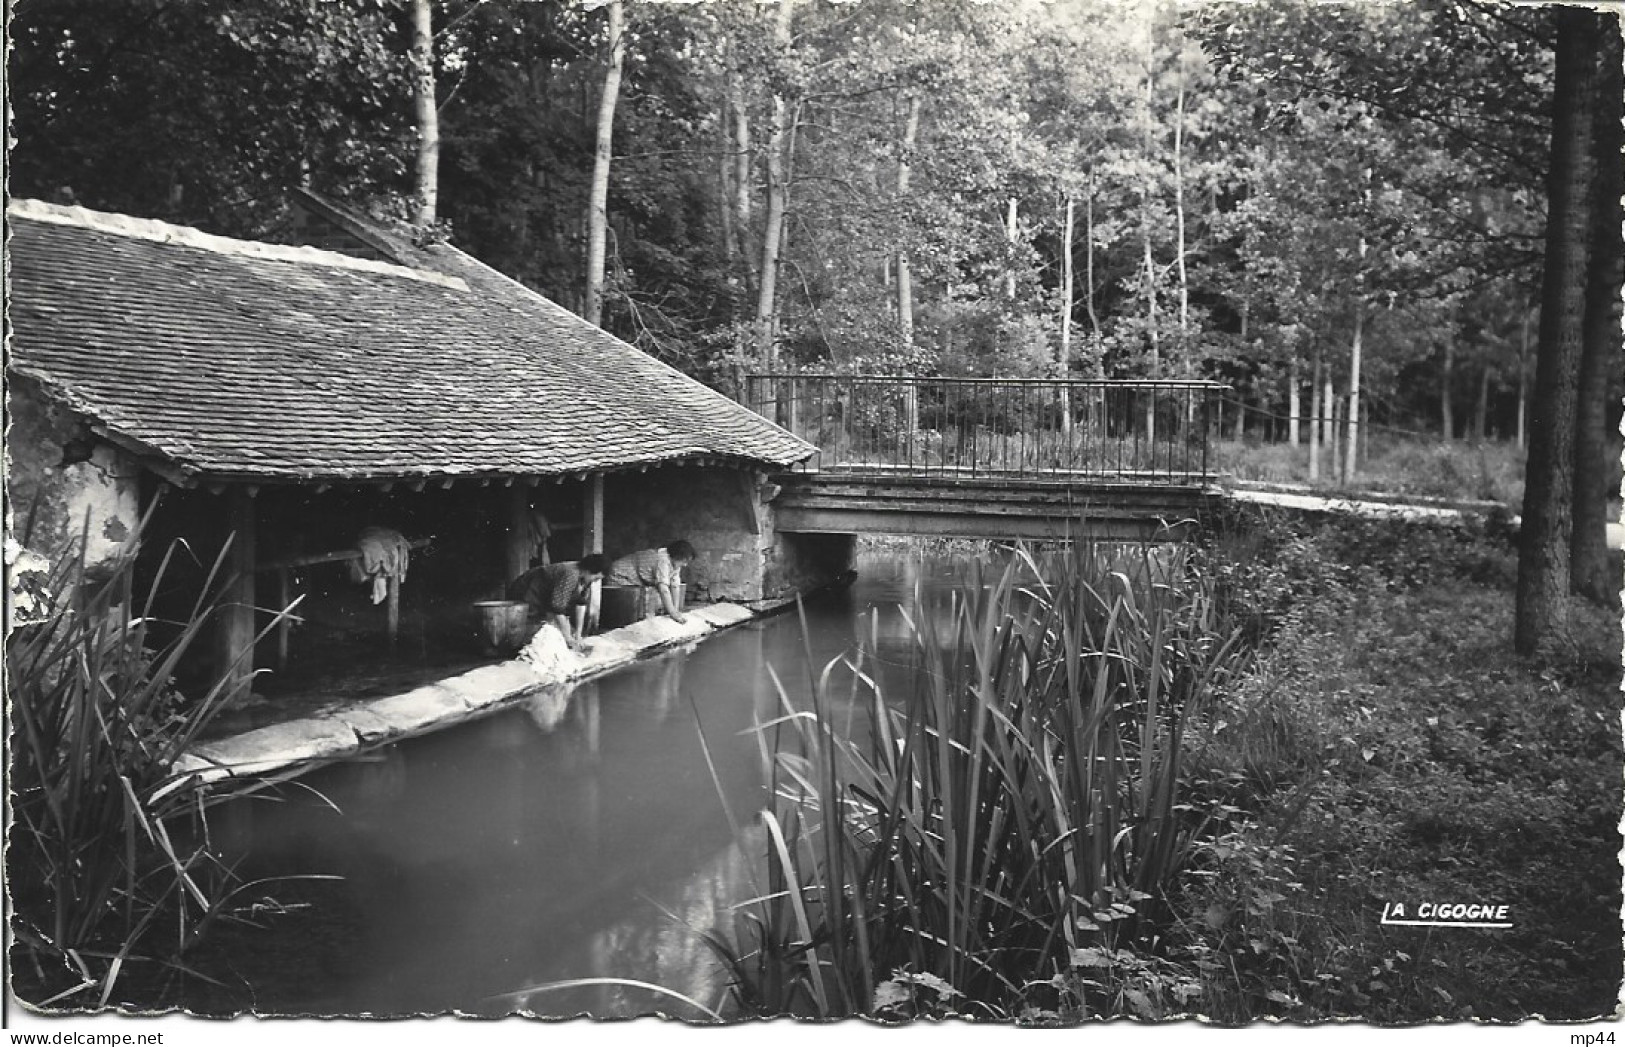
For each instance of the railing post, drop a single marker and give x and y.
(1207, 428)
(792, 402)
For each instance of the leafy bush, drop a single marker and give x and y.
(1390, 746)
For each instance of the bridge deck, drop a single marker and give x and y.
(1110, 509)
(994, 458)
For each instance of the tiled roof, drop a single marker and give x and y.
(239, 360)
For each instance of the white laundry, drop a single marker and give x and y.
(384, 555)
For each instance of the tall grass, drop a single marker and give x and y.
(1480, 470)
(109, 859)
(972, 846)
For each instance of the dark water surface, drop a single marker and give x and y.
(579, 835)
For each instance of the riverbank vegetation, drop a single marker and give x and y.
(1022, 804)
(109, 866)
(1397, 466)
(1158, 785)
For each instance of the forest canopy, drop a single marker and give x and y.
(1235, 187)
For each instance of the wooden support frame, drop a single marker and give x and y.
(518, 541)
(284, 568)
(235, 636)
(592, 539)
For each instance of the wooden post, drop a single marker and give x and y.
(284, 596)
(236, 629)
(592, 539)
(393, 606)
(518, 531)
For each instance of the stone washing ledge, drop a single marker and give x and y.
(282, 750)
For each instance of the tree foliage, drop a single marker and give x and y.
(1245, 180)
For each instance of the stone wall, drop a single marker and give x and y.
(718, 510)
(48, 505)
(728, 516)
(799, 562)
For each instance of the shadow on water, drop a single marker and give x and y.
(578, 835)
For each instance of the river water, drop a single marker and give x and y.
(580, 835)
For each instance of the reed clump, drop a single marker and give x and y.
(109, 862)
(998, 842)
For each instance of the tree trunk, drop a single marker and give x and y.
(1152, 358)
(1541, 614)
(1294, 401)
(777, 198)
(1523, 381)
(1064, 364)
(1447, 381)
(1352, 443)
(905, 284)
(1315, 408)
(598, 200)
(428, 117)
(741, 176)
(1599, 359)
(1335, 458)
(727, 191)
(1098, 352)
(1012, 232)
(1481, 410)
(1179, 232)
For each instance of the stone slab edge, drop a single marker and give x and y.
(283, 750)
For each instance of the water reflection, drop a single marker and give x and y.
(580, 834)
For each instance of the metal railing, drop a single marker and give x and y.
(1044, 429)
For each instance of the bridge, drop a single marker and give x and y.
(992, 457)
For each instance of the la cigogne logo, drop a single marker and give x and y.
(1447, 914)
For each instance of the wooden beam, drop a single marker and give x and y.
(284, 596)
(518, 539)
(235, 636)
(337, 556)
(149, 457)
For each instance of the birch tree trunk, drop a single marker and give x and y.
(428, 117)
(598, 198)
(1352, 444)
(905, 283)
(1063, 366)
(1179, 232)
(727, 191)
(1152, 362)
(1011, 233)
(1329, 403)
(1314, 418)
(1294, 402)
(1099, 368)
(741, 176)
(777, 200)
(1351, 466)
